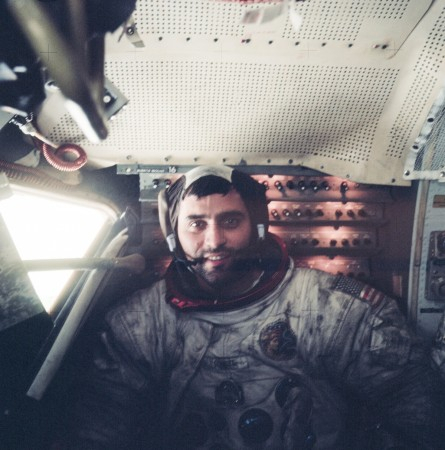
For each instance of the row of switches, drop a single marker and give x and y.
(316, 213)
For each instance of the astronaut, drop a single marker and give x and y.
(236, 348)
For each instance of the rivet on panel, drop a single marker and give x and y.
(269, 161)
(129, 157)
(393, 180)
(430, 119)
(442, 174)
(270, 42)
(166, 158)
(290, 161)
(406, 173)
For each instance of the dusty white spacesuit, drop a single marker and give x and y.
(296, 359)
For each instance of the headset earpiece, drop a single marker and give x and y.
(261, 230)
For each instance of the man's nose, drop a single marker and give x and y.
(215, 237)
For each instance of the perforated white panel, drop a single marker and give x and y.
(426, 159)
(347, 93)
(342, 20)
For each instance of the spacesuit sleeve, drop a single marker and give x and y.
(388, 369)
(116, 393)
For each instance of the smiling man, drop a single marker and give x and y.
(213, 231)
(238, 349)
(222, 256)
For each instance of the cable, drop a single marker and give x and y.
(55, 160)
(29, 175)
(53, 157)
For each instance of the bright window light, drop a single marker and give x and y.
(43, 226)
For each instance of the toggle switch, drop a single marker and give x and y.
(275, 214)
(325, 186)
(301, 185)
(279, 186)
(314, 186)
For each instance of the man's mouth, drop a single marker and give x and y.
(216, 257)
(216, 260)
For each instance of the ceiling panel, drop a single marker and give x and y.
(347, 93)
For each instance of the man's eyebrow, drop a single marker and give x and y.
(234, 212)
(196, 216)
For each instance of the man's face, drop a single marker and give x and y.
(212, 230)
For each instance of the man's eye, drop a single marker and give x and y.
(231, 222)
(197, 225)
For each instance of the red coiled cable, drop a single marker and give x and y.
(54, 158)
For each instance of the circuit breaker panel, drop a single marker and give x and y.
(427, 275)
(435, 284)
(328, 223)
